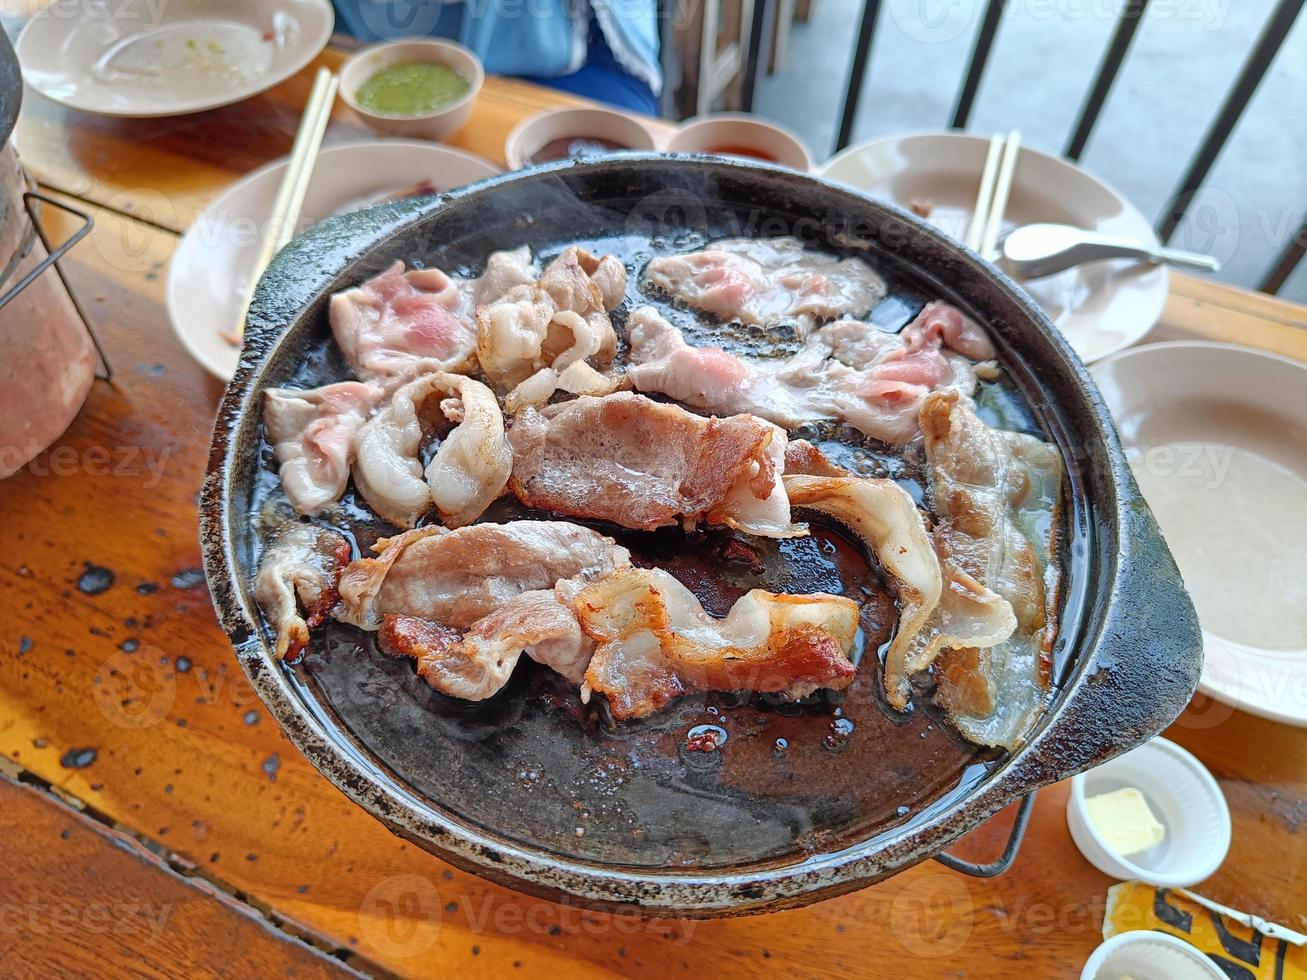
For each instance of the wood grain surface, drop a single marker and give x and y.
(118, 688)
(82, 899)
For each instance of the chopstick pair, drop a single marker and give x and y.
(289, 202)
(991, 200)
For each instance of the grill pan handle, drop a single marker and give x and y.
(996, 868)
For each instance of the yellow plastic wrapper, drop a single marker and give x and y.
(1241, 945)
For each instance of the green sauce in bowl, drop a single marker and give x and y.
(411, 89)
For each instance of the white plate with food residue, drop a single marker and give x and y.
(1100, 307)
(1217, 438)
(167, 59)
(212, 268)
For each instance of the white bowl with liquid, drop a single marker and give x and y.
(1216, 435)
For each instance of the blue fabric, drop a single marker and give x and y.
(630, 29)
(604, 79)
(608, 53)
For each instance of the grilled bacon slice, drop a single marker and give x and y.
(654, 642)
(643, 464)
(296, 582)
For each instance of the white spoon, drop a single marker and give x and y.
(1034, 251)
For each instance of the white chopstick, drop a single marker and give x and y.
(992, 196)
(976, 229)
(1002, 187)
(295, 182)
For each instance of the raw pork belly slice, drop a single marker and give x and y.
(761, 281)
(938, 322)
(654, 642)
(644, 464)
(313, 434)
(539, 338)
(457, 577)
(468, 471)
(299, 570)
(585, 284)
(707, 378)
(393, 322)
(503, 271)
(511, 333)
(570, 369)
(997, 495)
(849, 370)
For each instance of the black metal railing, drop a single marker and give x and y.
(1126, 26)
(1254, 68)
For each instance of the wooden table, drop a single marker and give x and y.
(155, 820)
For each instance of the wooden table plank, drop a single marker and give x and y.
(1198, 309)
(81, 899)
(184, 755)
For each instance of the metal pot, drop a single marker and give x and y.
(47, 354)
(1128, 657)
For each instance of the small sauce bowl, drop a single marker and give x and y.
(615, 131)
(740, 134)
(436, 124)
(1145, 954)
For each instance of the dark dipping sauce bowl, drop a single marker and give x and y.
(727, 803)
(580, 133)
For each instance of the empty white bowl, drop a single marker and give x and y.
(1185, 799)
(532, 135)
(437, 124)
(741, 134)
(1148, 955)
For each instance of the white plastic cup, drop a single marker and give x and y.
(1185, 799)
(1148, 955)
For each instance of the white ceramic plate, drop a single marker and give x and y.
(211, 269)
(1217, 437)
(168, 58)
(1100, 308)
